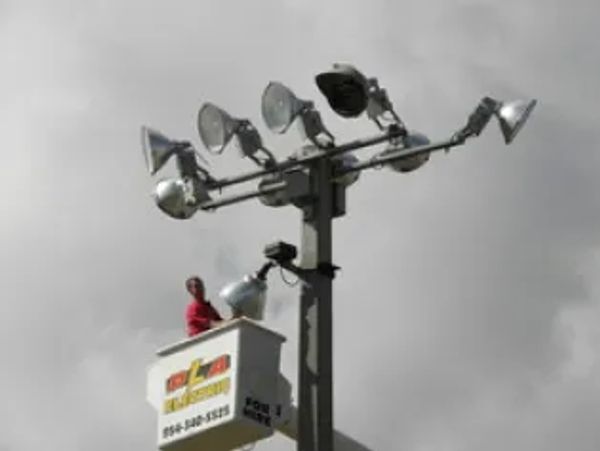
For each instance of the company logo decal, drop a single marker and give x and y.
(196, 374)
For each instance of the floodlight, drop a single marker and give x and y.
(412, 139)
(180, 198)
(279, 198)
(246, 297)
(281, 107)
(512, 116)
(345, 89)
(216, 127)
(347, 161)
(158, 149)
(350, 93)
(294, 187)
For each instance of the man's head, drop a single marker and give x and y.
(195, 287)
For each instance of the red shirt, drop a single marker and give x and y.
(198, 316)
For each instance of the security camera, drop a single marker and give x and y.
(281, 252)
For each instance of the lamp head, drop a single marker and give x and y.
(345, 89)
(280, 107)
(246, 297)
(409, 164)
(157, 149)
(512, 116)
(180, 198)
(216, 127)
(279, 198)
(346, 161)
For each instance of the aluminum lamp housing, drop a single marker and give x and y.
(413, 139)
(180, 198)
(280, 198)
(246, 297)
(345, 88)
(512, 116)
(347, 161)
(280, 107)
(157, 149)
(216, 127)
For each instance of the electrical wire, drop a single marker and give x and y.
(287, 282)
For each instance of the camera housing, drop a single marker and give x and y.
(281, 252)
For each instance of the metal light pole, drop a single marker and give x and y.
(314, 182)
(315, 376)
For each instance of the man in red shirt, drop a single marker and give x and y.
(200, 315)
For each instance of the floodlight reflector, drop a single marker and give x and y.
(512, 116)
(216, 127)
(157, 149)
(280, 107)
(279, 198)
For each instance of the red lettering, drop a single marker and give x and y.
(219, 366)
(177, 381)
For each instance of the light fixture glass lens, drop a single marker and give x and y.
(215, 127)
(279, 107)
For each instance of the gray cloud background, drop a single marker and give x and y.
(467, 309)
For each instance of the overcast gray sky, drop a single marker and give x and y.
(466, 313)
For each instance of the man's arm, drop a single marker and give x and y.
(199, 323)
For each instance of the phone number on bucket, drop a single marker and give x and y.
(194, 422)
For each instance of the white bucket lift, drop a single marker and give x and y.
(222, 389)
(219, 390)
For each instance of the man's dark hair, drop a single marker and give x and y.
(189, 281)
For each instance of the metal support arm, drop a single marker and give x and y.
(402, 154)
(307, 160)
